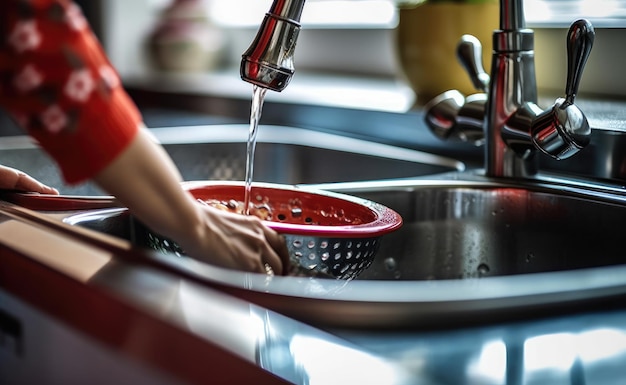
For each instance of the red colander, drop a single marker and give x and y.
(327, 234)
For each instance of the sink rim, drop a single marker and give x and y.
(287, 135)
(392, 304)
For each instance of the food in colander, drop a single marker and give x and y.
(291, 212)
(263, 211)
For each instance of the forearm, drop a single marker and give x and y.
(144, 179)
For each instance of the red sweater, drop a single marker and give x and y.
(57, 83)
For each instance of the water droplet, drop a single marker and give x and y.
(391, 264)
(483, 268)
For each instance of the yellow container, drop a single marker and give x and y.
(427, 37)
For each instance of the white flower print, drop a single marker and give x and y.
(54, 119)
(74, 18)
(25, 36)
(79, 85)
(109, 77)
(28, 79)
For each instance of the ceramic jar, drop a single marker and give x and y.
(427, 37)
(184, 39)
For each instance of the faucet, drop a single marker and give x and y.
(268, 63)
(505, 115)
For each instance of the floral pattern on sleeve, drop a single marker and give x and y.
(57, 83)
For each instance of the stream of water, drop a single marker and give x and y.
(258, 96)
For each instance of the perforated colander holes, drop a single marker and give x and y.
(164, 246)
(311, 244)
(298, 244)
(345, 258)
(295, 213)
(325, 254)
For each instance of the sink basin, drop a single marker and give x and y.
(284, 155)
(471, 250)
(471, 230)
(293, 156)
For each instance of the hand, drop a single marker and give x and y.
(236, 241)
(144, 179)
(12, 179)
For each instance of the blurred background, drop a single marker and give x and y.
(183, 55)
(356, 38)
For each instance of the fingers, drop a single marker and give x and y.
(13, 179)
(272, 249)
(279, 252)
(242, 242)
(26, 183)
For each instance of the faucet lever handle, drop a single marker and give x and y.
(563, 130)
(579, 42)
(469, 52)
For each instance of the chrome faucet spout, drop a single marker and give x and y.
(512, 15)
(514, 127)
(268, 62)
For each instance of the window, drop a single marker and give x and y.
(368, 27)
(560, 13)
(383, 13)
(316, 13)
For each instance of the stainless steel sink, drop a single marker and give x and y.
(460, 230)
(470, 250)
(283, 155)
(292, 156)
